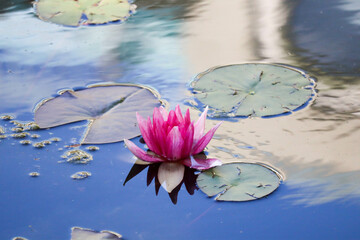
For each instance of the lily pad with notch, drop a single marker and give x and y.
(109, 109)
(238, 181)
(83, 12)
(253, 89)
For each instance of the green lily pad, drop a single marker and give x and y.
(109, 109)
(253, 90)
(238, 181)
(77, 12)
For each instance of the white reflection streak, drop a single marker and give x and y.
(220, 35)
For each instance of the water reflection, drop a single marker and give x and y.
(14, 5)
(325, 35)
(316, 152)
(242, 31)
(169, 175)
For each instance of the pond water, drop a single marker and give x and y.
(163, 46)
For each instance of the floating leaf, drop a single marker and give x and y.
(77, 12)
(253, 89)
(110, 109)
(238, 181)
(78, 233)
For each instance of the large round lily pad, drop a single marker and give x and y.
(238, 181)
(253, 89)
(77, 12)
(110, 109)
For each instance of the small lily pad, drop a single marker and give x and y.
(109, 109)
(83, 12)
(238, 182)
(78, 233)
(257, 90)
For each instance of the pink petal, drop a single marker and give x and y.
(201, 144)
(178, 113)
(141, 154)
(187, 136)
(147, 133)
(200, 126)
(174, 144)
(159, 132)
(200, 163)
(172, 119)
(164, 113)
(187, 117)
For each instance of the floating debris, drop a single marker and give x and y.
(18, 124)
(77, 156)
(32, 126)
(34, 174)
(19, 238)
(20, 135)
(2, 130)
(55, 139)
(39, 145)
(80, 175)
(35, 136)
(6, 117)
(78, 233)
(92, 148)
(25, 142)
(17, 129)
(46, 142)
(3, 136)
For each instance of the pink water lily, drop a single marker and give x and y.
(172, 137)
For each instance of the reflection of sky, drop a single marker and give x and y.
(39, 58)
(352, 6)
(326, 34)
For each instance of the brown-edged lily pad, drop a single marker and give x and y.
(253, 89)
(109, 109)
(238, 181)
(83, 12)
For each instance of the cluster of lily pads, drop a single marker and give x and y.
(115, 112)
(174, 143)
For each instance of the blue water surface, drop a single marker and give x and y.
(157, 47)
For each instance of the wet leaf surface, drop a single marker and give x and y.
(83, 12)
(238, 182)
(253, 89)
(110, 109)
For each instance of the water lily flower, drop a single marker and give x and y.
(173, 138)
